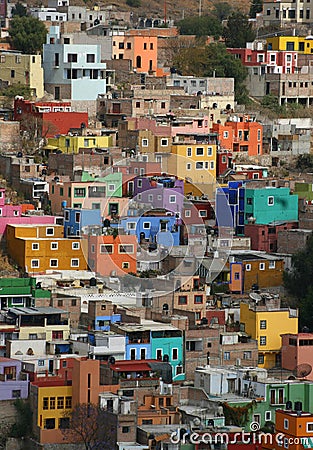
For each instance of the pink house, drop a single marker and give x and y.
(297, 350)
(13, 214)
(179, 125)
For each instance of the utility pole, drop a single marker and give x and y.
(200, 8)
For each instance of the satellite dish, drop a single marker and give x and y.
(302, 370)
(255, 297)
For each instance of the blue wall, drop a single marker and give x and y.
(87, 217)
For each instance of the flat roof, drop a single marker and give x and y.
(42, 310)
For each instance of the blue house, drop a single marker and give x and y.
(230, 206)
(162, 230)
(154, 340)
(76, 219)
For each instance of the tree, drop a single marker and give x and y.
(201, 26)
(256, 7)
(19, 10)
(213, 59)
(133, 3)
(89, 424)
(222, 10)
(28, 34)
(299, 282)
(238, 31)
(23, 426)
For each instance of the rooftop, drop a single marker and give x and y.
(23, 311)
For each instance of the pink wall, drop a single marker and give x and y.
(293, 355)
(25, 220)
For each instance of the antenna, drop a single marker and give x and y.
(255, 297)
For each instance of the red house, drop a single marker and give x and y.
(51, 118)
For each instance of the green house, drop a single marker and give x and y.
(20, 292)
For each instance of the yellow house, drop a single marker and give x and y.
(72, 144)
(266, 326)
(290, 43)
(37, 249)
(196, 164)
(50, 405)
(16, 68)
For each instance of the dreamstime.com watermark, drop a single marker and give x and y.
(255, 436)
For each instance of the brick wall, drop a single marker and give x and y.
(9, 136)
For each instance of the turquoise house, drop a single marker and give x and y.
(114, 182)
(269, 205)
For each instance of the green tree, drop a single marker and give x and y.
(201, 26)
(213, 60)
(27, 34)
(16, 89)
(299, 283)
(23, 426)
(222, 10)
(238, 31)
(133, 3)
(256, 7)
(19, 10)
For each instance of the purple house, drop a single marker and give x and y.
(160, 192)
(13, 383)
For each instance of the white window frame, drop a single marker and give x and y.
(248, 267)
(188, 166)
(124, 263)
(225, 134)
(111, 187)
(268, 416)
(262, 266)
(129, 225)
(228, 356)
(307, 428)
(53, 259)
(212, 165)
(172, 198)
(187, 213)
(16, 213)
(210, 151)
(72, 262)
(164, 142)
(35, 246)
(34, 266)
(145, 142)
(146, 223)
(189, 152)
(54, 246)
(286, 424)
(202, 151)
(200, 162)
(203, 211)
(150, 197)
(263, 340)
(75, 245)
(49, 234)
(270, 199)
(126, 245)
(272, 264)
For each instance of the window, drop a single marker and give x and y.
(60, 403)
(188, 166)
(247, 355)
(270, 201)
(182, 300)
(74, 302)
(45, 403)
(54, 245)
(49, 424)
(199, 151)
(52, 402)
(125, 430)
(126, 248)
(202, 213)
(106, 248)
(174, 354)
(64, 422)
(164, 142)
(199, 165)
(260, 359)
(74, 262)
(271, 265)
(16, 393)
(150, 198)
(72, 57)
(163, 105)
(131, 225)
(226, 356)
(34, 263)
(144, 142)
(49, 231)
(12, 73)
(262, 340)
(111, 187)
(309, 427)
(286, 443)
(262, 324)
(286, 424)
(268, 416)
(210, 152)
(188, 213)
(172, 198)
(248, 267)
(41, 362)
(132, 353)
(262, 266)
(54, 263)
(198, 299)
(35, 246)
(75, 245)
(125, 265)
(60, 303)
(237, 276)
(146, 225)
(79, 192)
(189, 151)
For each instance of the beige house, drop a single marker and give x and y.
(16, 68)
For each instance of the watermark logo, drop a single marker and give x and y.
(254, 426)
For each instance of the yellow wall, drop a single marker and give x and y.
(47, 329)
(21, 249)
(57, 413)
(27, 70)
(277, 323)
(77, 142)
(280, 43)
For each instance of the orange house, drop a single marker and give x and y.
(243, 135)
(294, 429)
(109, 255)
(141, 50)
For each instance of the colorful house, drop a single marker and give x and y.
(79, 144)
(109, 255)
(52, 118)
(242, 134)
(38, 249)
(20, 292)
(266, 323)
(296, 354)
(152, 340)
(76, 219)
(13, 383)
(300, 44)
(229, 206)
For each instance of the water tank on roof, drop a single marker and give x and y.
(63, 204)
(92, 282)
